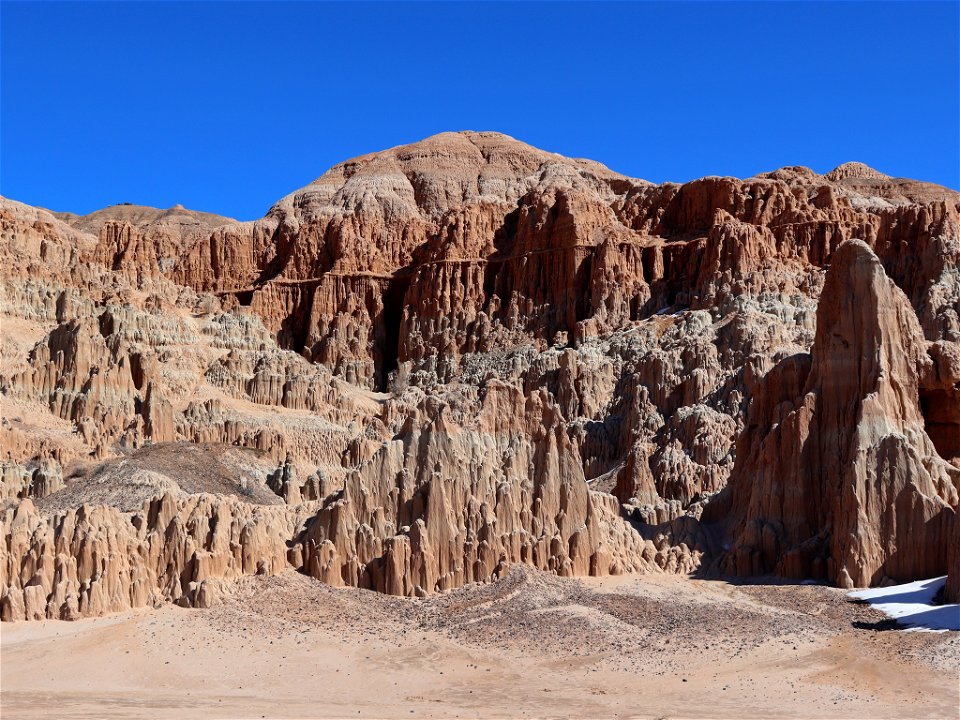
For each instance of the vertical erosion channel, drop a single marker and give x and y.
(393, 302)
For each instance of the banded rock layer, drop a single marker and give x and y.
(468, 352)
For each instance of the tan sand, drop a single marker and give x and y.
(527, 646)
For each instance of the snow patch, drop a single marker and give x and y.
(911, 605)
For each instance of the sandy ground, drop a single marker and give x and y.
(529, 645)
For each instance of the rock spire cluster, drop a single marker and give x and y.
(449, 357)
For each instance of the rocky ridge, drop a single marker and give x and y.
(467, 353)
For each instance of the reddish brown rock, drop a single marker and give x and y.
(836, 477)
(455, 349)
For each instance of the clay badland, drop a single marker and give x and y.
(454, 361)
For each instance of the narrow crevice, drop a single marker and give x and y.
(393, 303)
(583, 307)
(503, 241)
(647, 260)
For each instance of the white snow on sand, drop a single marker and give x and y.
(912, 606)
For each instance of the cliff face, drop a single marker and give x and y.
(471, 242)
(468, 352)
(836, 476)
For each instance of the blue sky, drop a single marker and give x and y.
(226, 107)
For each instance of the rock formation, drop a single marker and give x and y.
(836, 477)
(467, 352)
(96, 559)
(450, 502)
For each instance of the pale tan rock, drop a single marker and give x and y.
(19, 481)
(94, 560)
(446, 504)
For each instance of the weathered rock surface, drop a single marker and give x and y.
(836, 476)
(465, 353)
(97, 559)
(951, 591)
(448, 502)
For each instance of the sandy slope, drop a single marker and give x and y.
(529, 645)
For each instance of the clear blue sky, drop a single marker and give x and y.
(226, 107)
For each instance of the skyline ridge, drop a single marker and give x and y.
(217, 105)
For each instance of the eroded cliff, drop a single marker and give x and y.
(465, 353)
(836, 477)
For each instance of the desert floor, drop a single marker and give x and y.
(530, 645)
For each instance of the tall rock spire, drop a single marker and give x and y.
(841, 481)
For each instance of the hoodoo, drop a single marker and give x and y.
(836, 476)
(447, 358)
